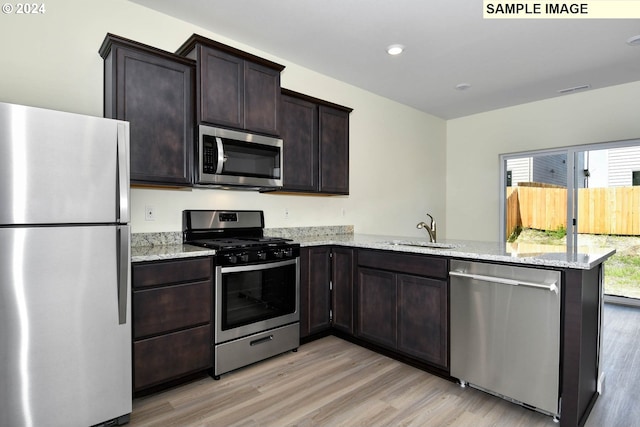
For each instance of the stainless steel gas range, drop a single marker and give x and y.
(257, 285)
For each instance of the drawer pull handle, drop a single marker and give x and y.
(261, 340)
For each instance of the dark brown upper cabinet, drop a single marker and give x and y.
(299, 132)
(316, 144)
(234, 88)
(154, 91)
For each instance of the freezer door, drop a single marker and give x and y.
(65, 354)
(62, 168)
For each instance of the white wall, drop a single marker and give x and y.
(397, 153)
(403, 163)
(475, 142)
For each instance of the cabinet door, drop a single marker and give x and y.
(342, 296)
(315, 273)
(334, 150)
(423, 318)
(377, 305)
(155, 95)
(221, 88)
(299, 130)
(261, 98)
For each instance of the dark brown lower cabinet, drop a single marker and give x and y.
(342, 270)
(377, 304)
(400, 308)
(315, 296)
(422, 318)
(326, 290)
(172, 320)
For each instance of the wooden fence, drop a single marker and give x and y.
(614, 210)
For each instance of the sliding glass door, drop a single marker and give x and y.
(578, 196)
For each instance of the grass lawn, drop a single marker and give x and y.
(622, 275)
(621, 271)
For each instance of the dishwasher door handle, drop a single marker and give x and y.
(553, 287)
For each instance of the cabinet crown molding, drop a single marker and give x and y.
(196, 40)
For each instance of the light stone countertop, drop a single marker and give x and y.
(162, 252)
(557, 256)
(159, 246)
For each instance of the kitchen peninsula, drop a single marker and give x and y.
(347, 259)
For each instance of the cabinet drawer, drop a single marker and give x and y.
(160, 359)
(422, 265)
(174, 271)
(170, 308)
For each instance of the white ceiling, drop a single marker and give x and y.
(506, 62)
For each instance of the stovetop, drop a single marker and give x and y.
(241, 242)
(230, 251)
(237, 237)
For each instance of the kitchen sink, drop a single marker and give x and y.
(420, 244)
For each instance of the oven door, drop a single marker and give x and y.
(255, 298)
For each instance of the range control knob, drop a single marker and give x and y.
(262, 255)
(244, 257)
(232, 259)
(288, 252)
(278, 253)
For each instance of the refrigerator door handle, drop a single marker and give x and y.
(123, 257)
(123, 173)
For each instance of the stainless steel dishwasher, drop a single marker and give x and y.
(505, 332)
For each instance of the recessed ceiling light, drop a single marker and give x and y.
(463, 86)
(634, 41)
(395, 49)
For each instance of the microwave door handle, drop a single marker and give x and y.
(220, 162)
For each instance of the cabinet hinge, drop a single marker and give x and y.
(330, 315)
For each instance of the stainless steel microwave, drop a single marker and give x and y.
(234, 159)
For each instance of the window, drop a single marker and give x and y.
(578, 196)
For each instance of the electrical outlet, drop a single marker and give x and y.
(149, 213)
(286, 213)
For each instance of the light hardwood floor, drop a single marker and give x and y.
(619, 404)
(331, 382)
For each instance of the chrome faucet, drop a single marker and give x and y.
(430, 228)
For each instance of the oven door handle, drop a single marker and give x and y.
(256, 267)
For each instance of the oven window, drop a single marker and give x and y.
(252, 296)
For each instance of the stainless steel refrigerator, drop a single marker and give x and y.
(65, 333)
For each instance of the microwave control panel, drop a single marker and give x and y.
(209, 155)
